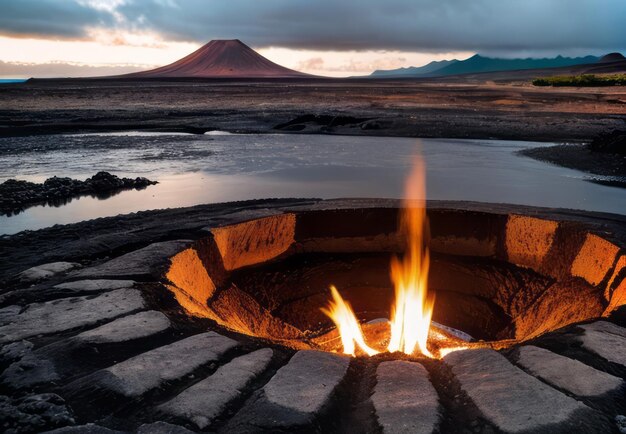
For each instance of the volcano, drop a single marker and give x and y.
(221, 59)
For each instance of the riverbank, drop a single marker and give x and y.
(580, 157)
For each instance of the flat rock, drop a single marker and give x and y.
(404, 399)
(507, 396)
(137, 326)
(296, 398)
(567, 374)
(141, 263)
(70, 313)
(46, 271)
(162, 428)
(95, 285)
(50, 363)
(308, 381)
(206, 400)
(605, 326)
(606, 340)
(147, 371)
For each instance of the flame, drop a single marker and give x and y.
(412, 310)
(350, 331)
(413, 307)
(445, 351)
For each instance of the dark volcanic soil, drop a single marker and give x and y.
(580, 157)
(382, 108)
(465, 108)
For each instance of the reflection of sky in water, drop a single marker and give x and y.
(219, 168)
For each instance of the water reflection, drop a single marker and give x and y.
(220, 168)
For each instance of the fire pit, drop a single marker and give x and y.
(533, 298)
(500, 278)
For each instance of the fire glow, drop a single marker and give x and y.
(412, 309)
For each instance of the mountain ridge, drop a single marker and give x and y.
(479, 64)
(413, 70)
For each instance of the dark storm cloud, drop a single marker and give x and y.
(426, 25)
(60, 18)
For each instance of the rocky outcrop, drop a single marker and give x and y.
(15, 195)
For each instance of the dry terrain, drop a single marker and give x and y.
(363, 107)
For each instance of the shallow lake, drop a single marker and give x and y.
(194, 169)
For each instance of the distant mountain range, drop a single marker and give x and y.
(478, 64)
(413, 71)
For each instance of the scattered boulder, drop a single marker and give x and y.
(15, 195)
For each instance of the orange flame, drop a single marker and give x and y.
(413, 308)
(350, 331)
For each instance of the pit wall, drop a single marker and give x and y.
(585, 274)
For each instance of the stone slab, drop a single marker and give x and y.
(95, 285)
(528, 240)
(49, 363)
(206, 400)
(507, 396)
(404, 399)
(69, 313)
(140, 263)
(595, 259)
(137, 326)
(255, 241)
(606, 340)
(308, 381)
(297, 397)
(605, 326)
(147, 371)
(46, 271)
(567, 374)
(188, 273)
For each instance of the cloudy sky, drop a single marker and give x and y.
(327, 37)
